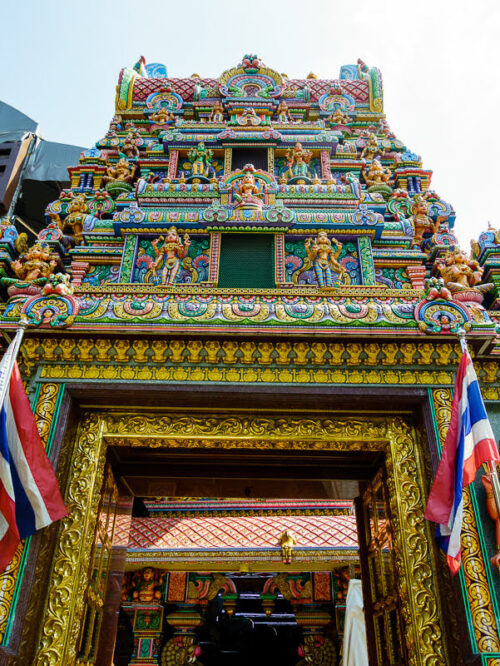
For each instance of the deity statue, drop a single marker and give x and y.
(283, 113)
(37, 262)
(458, 271)
(287, 542)
(147, 587)
(122, 172)
(248, 117)
(324, 258)
(73, 222)
(377, 174)
(162, 116)
(338, 117)
(217, 114)
(129, 146)
(247, 192)
(298, 161)
(421, 221)
(200, 158)
(169, 255)
(371, 149)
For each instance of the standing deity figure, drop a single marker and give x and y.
(217, 115)
(169, 255)
(324, 258)
(129, 146)
(458, 271)
(247, 192)
(371, 149)
(287, 542)
(298, 161)
(73, 223)
(421, 221)
(283, 113)
(200, 158)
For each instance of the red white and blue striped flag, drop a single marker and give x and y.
(469, 443)
(29, 494)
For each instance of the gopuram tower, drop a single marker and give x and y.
(241, 347)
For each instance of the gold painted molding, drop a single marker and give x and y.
(476, 582)
(68, 582)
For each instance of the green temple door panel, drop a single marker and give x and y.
(247, 261)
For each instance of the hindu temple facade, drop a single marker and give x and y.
(241, 343)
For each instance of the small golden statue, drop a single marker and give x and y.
(37, 262)
(122, 172)
(421, 221)
(371, 149)
(377, 174)
(324, 258)
(170, 255)
(338, 117)
(162, 116)
(73, 223)
(147, 587)
(287, 541)
(458, 271)
(217, 114)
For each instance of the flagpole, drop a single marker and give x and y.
(8, 360)
(495, 481)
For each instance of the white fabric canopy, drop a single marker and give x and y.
(354, 651)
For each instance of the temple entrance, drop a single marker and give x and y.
(203, 602)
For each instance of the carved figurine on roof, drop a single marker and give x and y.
(251, 78)
(37, 262)
(298, 161)
(458, 271)
(421, 221)
(247, 191)
(217, 113)
(72, 225)
(371, 148)
(324, 258)
(378, 178)
(283, 114)
(170, 255)
(118, 178)
(201, 159)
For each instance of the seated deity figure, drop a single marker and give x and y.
(170, 255)
(338, 117)
(163, 116)
(324, 258)
(247, 192)
(458, 271)
(283, 113)
(377, 174)
(129, 146)
(287, 541)
(217, 114)
(37, 262)
(146, 588)
(298, 161)
(121, 172)
(200, 158)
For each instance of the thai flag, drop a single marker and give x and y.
(469, 443)
(29, 494)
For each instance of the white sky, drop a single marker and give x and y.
(440, 63)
